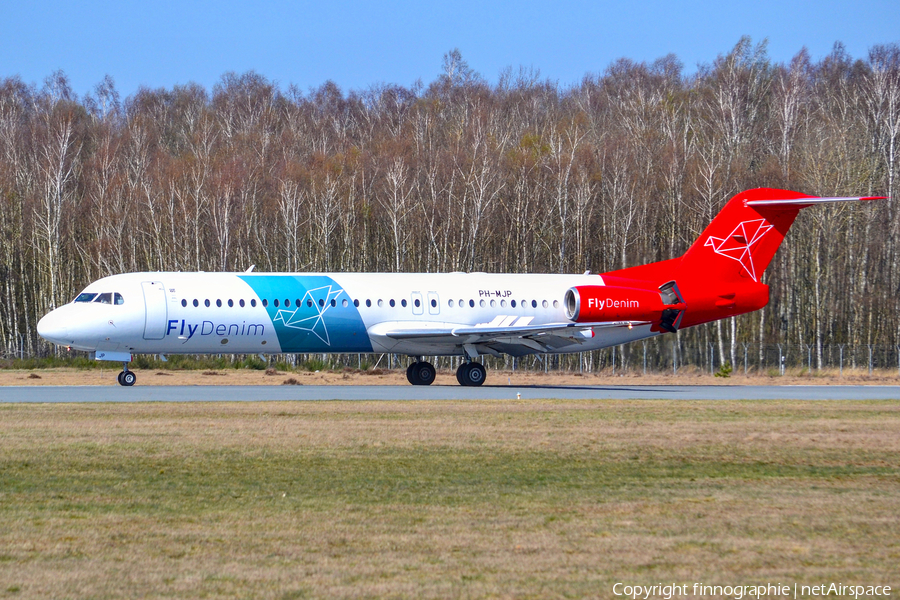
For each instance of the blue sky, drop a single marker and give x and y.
(161, 43)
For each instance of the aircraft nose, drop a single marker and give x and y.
(52, 327)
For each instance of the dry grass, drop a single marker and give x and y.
(685, 376)
(526, 499)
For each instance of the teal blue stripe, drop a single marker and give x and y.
(315, 325)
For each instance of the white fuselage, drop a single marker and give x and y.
(273, 313)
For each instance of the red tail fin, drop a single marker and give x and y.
(719, 275)
(740, 242)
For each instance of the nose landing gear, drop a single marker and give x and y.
(126, 377)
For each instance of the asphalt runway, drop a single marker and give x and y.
(220, 393)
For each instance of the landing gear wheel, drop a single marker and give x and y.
(471, 374)
(462, 373)
(119, 378)
(127, 378)
(477, 374)
(420, 373)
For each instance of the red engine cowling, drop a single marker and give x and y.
(599, 303)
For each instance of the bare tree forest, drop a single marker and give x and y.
(521, 176)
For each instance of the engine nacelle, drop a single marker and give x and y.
(599, 303)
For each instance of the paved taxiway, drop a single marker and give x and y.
(210, 393)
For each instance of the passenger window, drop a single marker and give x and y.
(333, 302)
(275, 302)
(241, 302)
(119, 298)
(230, 303)
(534, 304)
(219, 303)
(433, 303)
(368, 304)
(344, 302)
(512, 303)
(556, 304)
(196, 304)
(321, 302)
(403, 303)
(265, 303)
(253, 302)
(418, 303)
(471, 304)
(104, 298)
(287, 302)
(450, 303)
(297, 303)
(380, 303)
(85, 297)
(356, 303)
(308, 303)
(206, 303)
(544, 304)
(392, 303)
(184, 303)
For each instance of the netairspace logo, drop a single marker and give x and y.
(739, 592)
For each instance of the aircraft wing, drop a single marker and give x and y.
(528, 338)
(453, 334)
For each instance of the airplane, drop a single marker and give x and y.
(434, 314)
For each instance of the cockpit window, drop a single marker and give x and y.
(85, 297)
(104, 298)
(119, 298)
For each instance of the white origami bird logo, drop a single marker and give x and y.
(739, 243)
(319, 300)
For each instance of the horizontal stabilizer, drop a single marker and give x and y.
(803, 202)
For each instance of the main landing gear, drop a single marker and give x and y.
(126, 377)
(420, 373)
(471, 374)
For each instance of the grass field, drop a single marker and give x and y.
(527, 499)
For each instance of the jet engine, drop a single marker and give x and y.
(604, 303)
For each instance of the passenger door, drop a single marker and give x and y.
(155, 311)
